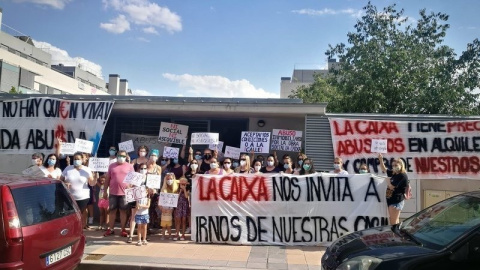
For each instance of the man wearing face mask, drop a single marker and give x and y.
(114, 182)
(338, 165)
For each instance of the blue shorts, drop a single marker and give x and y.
(398, 206)
(142, 219)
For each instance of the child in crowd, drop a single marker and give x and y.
(102, 204)
(182, 210)
(142, 218)
(170, 185)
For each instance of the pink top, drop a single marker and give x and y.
(116, 173)
(219, 173)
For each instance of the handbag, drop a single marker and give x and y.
(389, 193)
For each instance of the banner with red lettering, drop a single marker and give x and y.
(282, 209)
(430, 150)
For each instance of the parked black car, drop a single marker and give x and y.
(443, 236)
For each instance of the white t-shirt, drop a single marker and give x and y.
(55, 174)
(342, 172)
(142, 210)
(78, 180)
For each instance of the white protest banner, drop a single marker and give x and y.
(379, 146)
(315, 209)
(150, 141)
(83, 146)
(67, 148)
(168, 199)
(134, 178)
(232, 152)
(218, 146)
(430, 150)
(99, 164)
(258, 142)
(135, 194)
(31, 125)
(127, 146)
(204, 138)
(173, 133)
(33, 171)
(286, 140)
(153, 181)
(170, 152)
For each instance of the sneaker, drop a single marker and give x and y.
(187, 230)
(90, 220)
(182, 238)
(129, 240)
(145, 242)
(124, 233)
(139, 243)
(109, 232)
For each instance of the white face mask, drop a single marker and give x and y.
(226, 166)
(34, 161)
(257, 168)
(121, 159)
(213, 165)
(336, 166)
(154, 158)
(77, 162)
(143, 171)
(142, 154)
(270, 163)
(194, 167)
(243, 163)
(169, 182)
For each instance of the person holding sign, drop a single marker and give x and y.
(78, 177)
(207, 156)
(102, 203)
(154, 168)
(183, 209)
(245, 164)
(396, 191)
(338, 165)
(114, 182)
(50, 167)
(142, 168)
(142, 218)
(170, 185)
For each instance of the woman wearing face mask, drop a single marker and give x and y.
(287, 165)
(257, 166)
(214, 168)
(192, 170)
(142, 152)
(363, 168)
(271, 165)
(142, 168)
(153, 168)
(112, 151)
(227, 166)
(298, 165)
(244, 166)
(170, 185)
(307, 167)
(176, 168)
(205, 163)
(50, 167)
(396, 190)
(78, 177)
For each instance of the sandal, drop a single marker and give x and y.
(124, 233)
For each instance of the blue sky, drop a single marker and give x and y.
(214, 48)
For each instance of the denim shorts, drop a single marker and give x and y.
(142, 219)
(398, 206)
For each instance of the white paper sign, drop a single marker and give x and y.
(99, 164)
(379, 146)
(204, 138)
(134, 178)
(232, 152)
(153, 181)
(126, 146)
(173, 133)
(258, 142)
(83, 146)
(33, 171)
(170, 152)
(218, 146)
(135, 194)
(67, 148)
(286, 140)
(168, 199)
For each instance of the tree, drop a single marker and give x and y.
(13, 90)
(319, 91)
(391, 66)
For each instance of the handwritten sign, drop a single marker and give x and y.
(258, 142)
(232, 152)
(33, 171)
(286, 140)
(173, 133)
(83, 146)
(99, 164)
(204, 138)
(134, 178)
(218, 146)
(168, 199)
(126, 146)
(153, 181)
(135, 194)
(170, 152)
(67, 148)
(379, 146)
(138, 140)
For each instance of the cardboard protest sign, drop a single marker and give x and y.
(99, 164)
(126, 146)
(286, 140)
(135, 194)
(67, 149)
(168, 199)
(173, 133)
(153, 181)
(232, 152)
(170, 152)
(204, 138)
(218, 146)
(134, 178)
(83, 146)
(258, 142)
(379, 146)
(138, 140)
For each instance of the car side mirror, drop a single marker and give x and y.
(461, 254)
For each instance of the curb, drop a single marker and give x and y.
(88, 265)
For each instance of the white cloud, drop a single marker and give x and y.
(117, 25)
(218, 86)
(60, 56)
(146, 13)
(58, 4)
(142, 39)
(327, 11)
(139, 92)
(150, 30)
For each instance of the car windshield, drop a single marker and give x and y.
(442, 223)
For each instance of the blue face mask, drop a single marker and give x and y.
(51, 162)
(235, 164)
(112, 152)
(286, 165)
(175, 161)
(77, 162)
(163, 162)
(306, 167)
(300, 162)
(198, 157)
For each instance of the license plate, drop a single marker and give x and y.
(59, 255)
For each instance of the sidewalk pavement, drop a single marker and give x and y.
(113, 252)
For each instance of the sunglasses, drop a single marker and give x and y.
(227, 163)
(143, 168)
(121, 156)
(243, 159)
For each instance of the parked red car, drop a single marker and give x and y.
(40, 226)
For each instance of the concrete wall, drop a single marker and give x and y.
(25, 48)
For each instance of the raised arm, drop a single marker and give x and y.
(382, 164)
